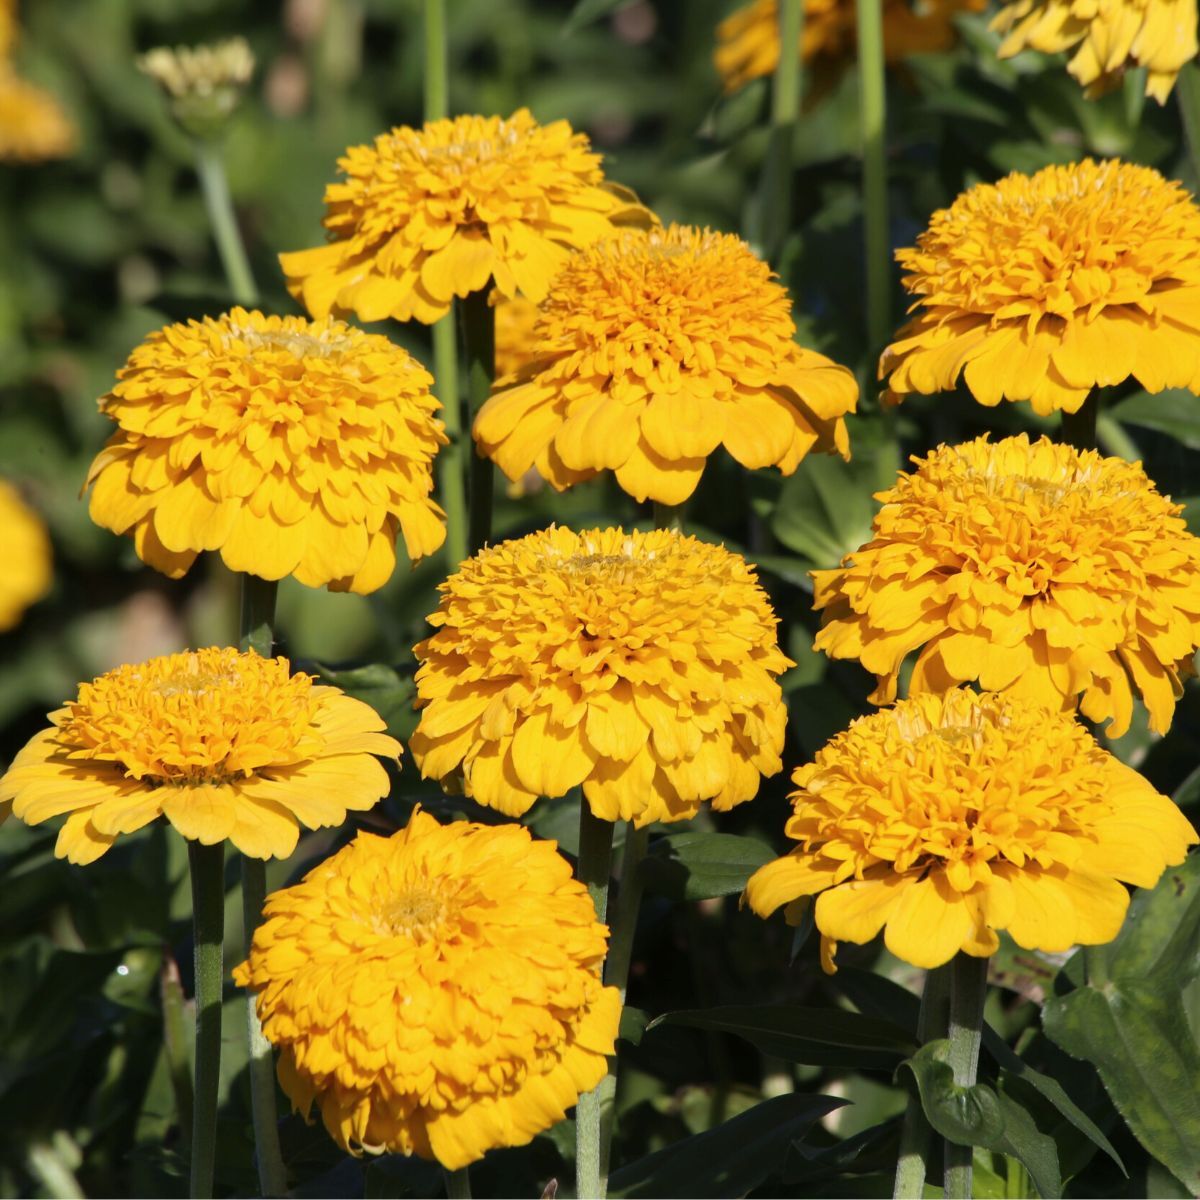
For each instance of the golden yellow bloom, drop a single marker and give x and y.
(515, 319)
(428, 214)
(436, 992)
(1043, 287)
(225, 745)
(33, 125)
(292, 447)
(1108, 36)
(1059, 576)
(947, 818)
(639, 665)
(748, 39)
(652, 350)
(25, 553)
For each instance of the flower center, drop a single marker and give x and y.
(418, 913)
(328, 343)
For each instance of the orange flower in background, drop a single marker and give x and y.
(25, 552)
(1055, 575)
(1042, 287)
(428, 214)
(1108, 38)
(748, 39)
(436, 992)
(225, 745)
(948, 818)
(33, 125)
(653, 349)
(639, 665)
(292, 447)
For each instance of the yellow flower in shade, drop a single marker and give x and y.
(640, 665)
(1043, 287)
(748, 39)
(515, 321)
(225, 745)
(436, 992)
(33, 125)
(1107, 37)
(25, 553)
(1059, 576)
(947, 818)
(652, 350)
(292, 447)
(428, 214)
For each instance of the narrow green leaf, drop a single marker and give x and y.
(699, 866)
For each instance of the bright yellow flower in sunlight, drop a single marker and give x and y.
(1042, 287)
(640, 665)
(1107, 36)
(436, 992)
(225, 745)
(1059, 576)
(947, 818)
(428, 214)
(33, 125)
(748, 39)
(25, 553)
(652, 350)
(292, 447)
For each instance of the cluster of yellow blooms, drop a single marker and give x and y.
(33, 125)
(438, 992)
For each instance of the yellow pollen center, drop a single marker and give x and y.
(329, 343)
(417, 913)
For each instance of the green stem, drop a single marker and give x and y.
(208, 919)
(916, 1135)
(873, 122)
(668, 516)
(1187, 89)
(479, 337)
(785, 112)
(211, 170)
(1095, 964)
(451, 483)
(458, 1184)
(968, 990)
(1112, 438)
(593, 869)
(175, 1045)
(1079, 428)
(437, 74)
(258, 634)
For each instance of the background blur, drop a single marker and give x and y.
(100, 248)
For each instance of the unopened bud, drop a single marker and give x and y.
(203, 83)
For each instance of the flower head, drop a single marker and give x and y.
(204, 83)
(25, 553)
(1108, 37)
(1058, 575)
(436, 992)
(516, 317)
(947, 818)
(33, 125)
(1043, 287)
(639, 665)
(652, 350)
(225, 745)
(292, 447)
(748, 39)
(428, 214)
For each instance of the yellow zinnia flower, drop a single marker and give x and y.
(1108, 36)
(1057, 575)
(516, 318)
(33, 125)
(639, 665)
(748, 39)
(225, 745)
(25, 553)
(652, 350)
(292, 447)
(1043, 287)
(436, 992)
(428, 214)
(947, 818)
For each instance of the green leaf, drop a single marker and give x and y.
(634, 1023)
(729, 1160)
(980, 1116)
(1174, 412)
(817, 1036)
(699, 866)
(384, 688)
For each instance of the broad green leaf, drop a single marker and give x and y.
(699, 866)
(980, 1116)
(817, 1036)
(1174, 412)
(634, 1023)
(729, 1160)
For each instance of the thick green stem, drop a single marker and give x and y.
(968, 990)
(668, 516)
(916, 1135)
(873, 124)
(208, 920)
(1187, 89)
(175, 1045)
(776, 197)
(211, 170)
(437, 74)
(1079, 428)
(479, 338)
(257, 621)
(458, 1184)
(452, 484)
